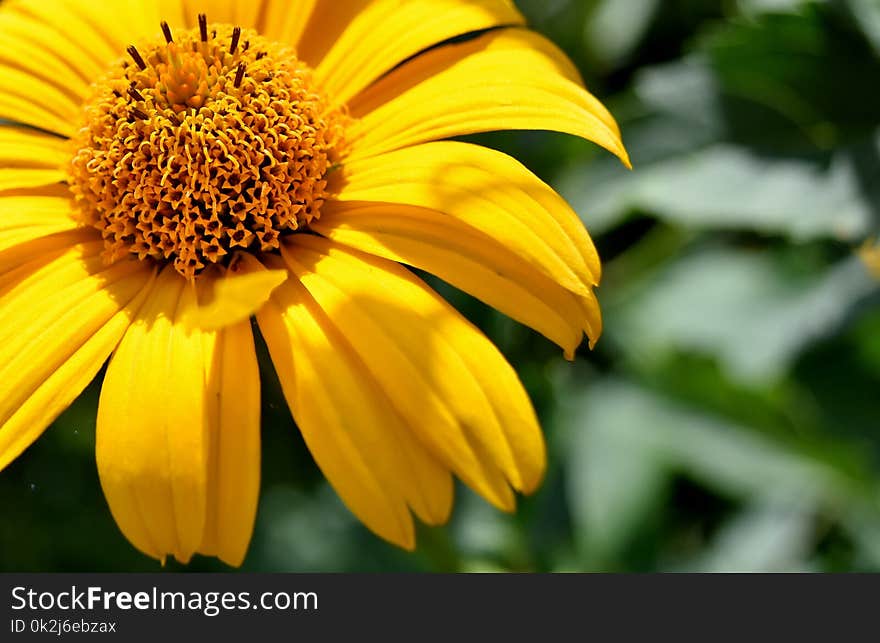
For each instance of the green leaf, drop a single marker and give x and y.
(769, 535)
(686, 439)
(744, 308)
(769, 125)
(615, 422)
(867, 16)
(800, 65)
(755, 7)
(614, 478)
(728, 187)
(684, 177)
(614, 29)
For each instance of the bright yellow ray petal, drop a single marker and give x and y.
(387, 32)
(152, 434)
(248, 14)
(122, 22)
(30, 159)
(30, 94)
(326, 24)
(233, 484)
(464, 257)
(73, 23)
(285, 21)
(174, 12)
(22, 261)
(487, 190)
(59, 320)
(25, 218)
(53, 48)
(40, 248)
(368, 455)
(104, 29)
(507, 79)
(143, 17)
(22, 109)
(30, 47)
(15, 178)
(221, 11)
(21, 147)
(64, 47)
(434, 365)
(227, 297)
(282, 20)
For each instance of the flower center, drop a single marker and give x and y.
(206, 142)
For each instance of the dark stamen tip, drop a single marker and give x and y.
(135, 94)
(137, 113)
(239, 74)
(203, 27)
(260, 55)
(166, 30)
(247, 43)
(133, 52)
(236, 34)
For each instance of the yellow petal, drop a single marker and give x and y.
(23, 109)
(233, 484)
(59, 320)
(58, 50)
(14, 178)
(24, 218)
(368, 455)
(37, 247)
(248, 14)
(448, 381)
(24, 148)
(33, 48)
(21, 261)
(78, 40)
(122, 22)
(65, 47)
(30, 159)
(226, 297)
(328, 20)
(102, 29)
(73, 25)
(487, 190)
(387, 32)
(281, 20)
(152, 432)
(220, 11)
(284, 20)
(506, 79)
(465, 258)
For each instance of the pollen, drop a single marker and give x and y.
(203, 143)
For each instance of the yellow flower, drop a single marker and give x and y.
(164, 177)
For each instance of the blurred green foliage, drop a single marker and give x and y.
(729, 419)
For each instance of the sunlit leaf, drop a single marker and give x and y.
(614, 29)
(867, 15)
(745, 309)
(767, 536)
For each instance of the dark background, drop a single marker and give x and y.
(728, 420)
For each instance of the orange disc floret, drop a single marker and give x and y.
(202, 144)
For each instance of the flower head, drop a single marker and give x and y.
(171, 170)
